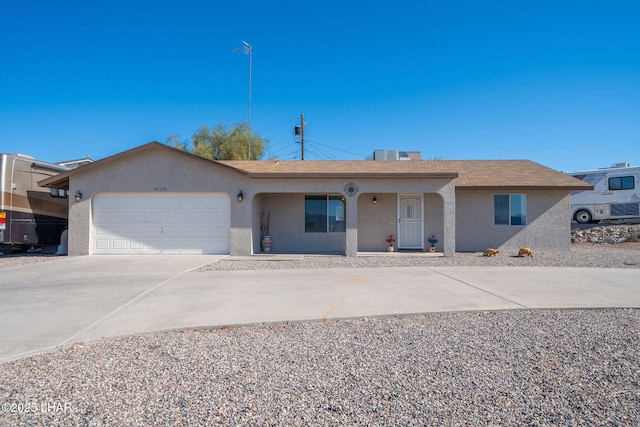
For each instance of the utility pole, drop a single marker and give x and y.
(299, 131)
(302, 133)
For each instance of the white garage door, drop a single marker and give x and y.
(168, 223)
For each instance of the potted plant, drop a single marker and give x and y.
(390, 241)
(432, 241)
(265, 241)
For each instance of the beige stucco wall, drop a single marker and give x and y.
(548, 225)
(461, 220)
(158, 169)
(434, 220)
(366, 230)
(287, 227)
(377, 221)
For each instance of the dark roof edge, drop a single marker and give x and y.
(298, 175)
(523, 188)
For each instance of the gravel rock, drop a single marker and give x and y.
(548, 367)
(622, 251)
(8, 260)
(545, 367)
(622, 255)
(609, 234)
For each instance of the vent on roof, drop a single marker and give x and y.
(620, 165)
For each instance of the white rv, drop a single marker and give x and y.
(616, 194)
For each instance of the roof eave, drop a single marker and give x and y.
(306, 175)
(62, 180)
(523, 188)
(56, 181)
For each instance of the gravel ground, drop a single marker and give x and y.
(623, 255)
(8, 260)
(544, 367)
(547, 367)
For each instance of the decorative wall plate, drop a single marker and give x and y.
(351, 189)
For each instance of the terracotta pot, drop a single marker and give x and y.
(389, 248)
(432, 248)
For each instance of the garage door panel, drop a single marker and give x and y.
(102, 244)
(189, 223)
(136, 245)
(120, 244)
(107, 230)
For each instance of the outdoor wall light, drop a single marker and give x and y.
(240, 197)
(78, 196)
(375, 200)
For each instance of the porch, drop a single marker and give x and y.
(353, 225)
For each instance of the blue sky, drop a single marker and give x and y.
(557, 82)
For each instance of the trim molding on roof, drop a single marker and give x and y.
(62, 180)
(507, 188)
(368, 175)
(517, 175)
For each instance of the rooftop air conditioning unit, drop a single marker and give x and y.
(385, 155)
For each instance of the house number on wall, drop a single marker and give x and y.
(159, 189)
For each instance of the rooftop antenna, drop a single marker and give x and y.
(247, 49)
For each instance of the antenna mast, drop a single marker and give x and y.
(247, 49)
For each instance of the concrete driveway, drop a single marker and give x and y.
(54, 304)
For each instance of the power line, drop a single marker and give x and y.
(318, 150)
(272, 146)
(275, 149)
(337, 149)
(294, 153)
(279, 150)
(288, 121)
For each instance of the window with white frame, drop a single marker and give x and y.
(510, 209)
(324, 214)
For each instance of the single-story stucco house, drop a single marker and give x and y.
(158, 199)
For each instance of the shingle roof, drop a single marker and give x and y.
(512, 174)
(467, 173)
(489, 174)
(341, 168)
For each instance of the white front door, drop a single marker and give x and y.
(410, 221)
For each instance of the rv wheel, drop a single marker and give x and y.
(583, 216)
